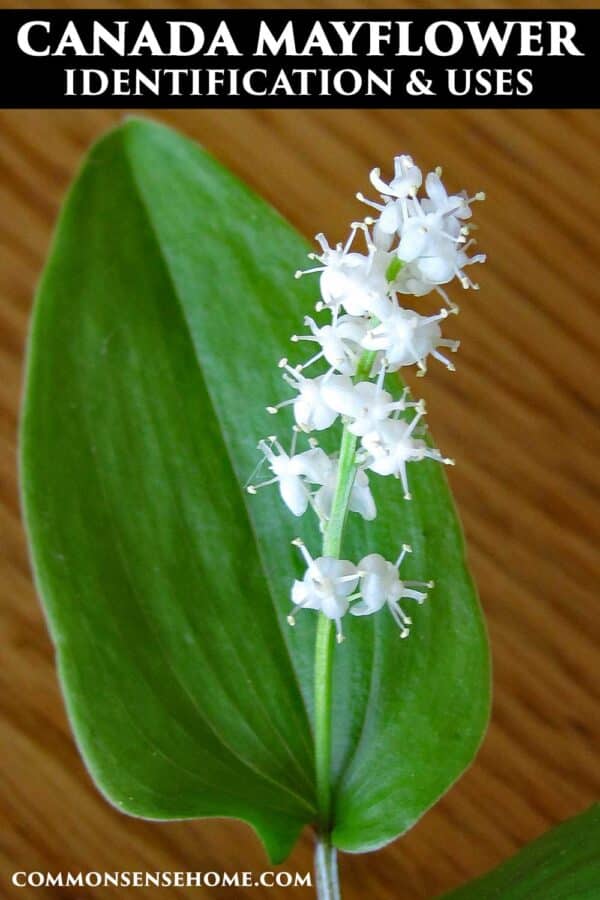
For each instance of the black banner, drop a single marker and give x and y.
(299, 58)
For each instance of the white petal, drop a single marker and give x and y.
(390, 219)
(375, 340)
(351, 328)
(412, 243)
(379, 305)
(299, 593)
(356, 299)
(382, 238)
(338, 392)
(436, 190)
(324, 500)
(361, 609)
(436, 269)
(339, 568)
(361, 501)
(314, 464)
(373, 563)
(334, 606)
(311, 414)
(323, 417)
(377, 181)
(382, 465)
(373, 591)
(294, 494)
(333, 284)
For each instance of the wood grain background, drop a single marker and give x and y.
(520, 418)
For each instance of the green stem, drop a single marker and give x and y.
(327, 883)
(332, 546)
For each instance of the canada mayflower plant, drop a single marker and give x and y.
(202, 657)
(414, 246)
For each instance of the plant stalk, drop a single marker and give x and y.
(332, 545)
(325, 854)
(326, 870)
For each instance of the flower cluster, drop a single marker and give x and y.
(414, 246)
(329, 586)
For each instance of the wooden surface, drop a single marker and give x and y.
(519, 417)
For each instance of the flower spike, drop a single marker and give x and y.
(415, 244)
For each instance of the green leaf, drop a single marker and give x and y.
(165, 305)
(563, 864)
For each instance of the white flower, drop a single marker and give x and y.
(433, 242)
(339, 342)
(356, 281)
(407, 338)
(311, 411)
(405, 183)
(442, 260)
(327, 586)
(341, 271)
(314, 464)
(382, 239)
(427, 233)
(366, 403)
(410, 281)
(458, 205)
(289, 471)
(392, 445)
(431, 231)
(380, 585)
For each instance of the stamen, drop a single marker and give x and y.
(378, 206)
(443, 359)
(400, 619)
(353, 229)
(273, 410)
(312, 360)
(299, 543)
(413, 424)
(300, 272)
(253, 488)
(404, 479)
(449, 303)
(255, 472)
(406, 548)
